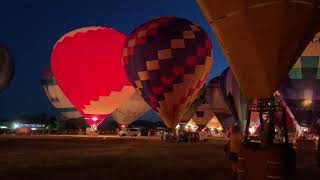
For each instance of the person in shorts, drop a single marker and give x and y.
(235, 143)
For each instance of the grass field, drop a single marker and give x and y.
(52, 157)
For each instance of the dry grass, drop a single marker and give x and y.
(114, 158)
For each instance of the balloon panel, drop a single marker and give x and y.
(270, 36)
(131, 110)
(6, 68)
(87, 65)
(56, 96)
(226, 120)
(167, 60)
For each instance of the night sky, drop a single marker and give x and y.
(30, 29)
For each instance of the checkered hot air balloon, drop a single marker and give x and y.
(86, 63)
(302, 89)
(167, 60)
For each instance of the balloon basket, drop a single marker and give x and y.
(256, 161)
(92, 133)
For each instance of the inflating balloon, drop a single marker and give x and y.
(214, 123)
(56, 96)
(167, 60)
(200, 99)
(86, 63)
(301, 91)
(261, 39)
(235, 99)
(6, 68)
(215, 96)
(130, 110)
(203, 115)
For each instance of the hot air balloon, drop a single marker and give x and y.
(214, 123)
(261, 39)
(130, 110)
(200, 99)
(6, 68)
(215, 96)
(233, 96)
(56, 96)
(226, 120)
(167, 60)
(301, 91)
(86, 63)
(203, 115)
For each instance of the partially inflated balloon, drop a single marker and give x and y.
(302, 89)
(56, 96)
(200, 99)
(130, 110)
(203, 115)
(215, 96)
(86, 63)
(214, 123)
(261, 39)
(235, 99)
(167, 60)
(6, 68)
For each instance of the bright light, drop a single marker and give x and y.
(307, 102)
(186, 127)
(94, 119)
(33, 129)
(252, 130)
(178, 126)
(123, 126)
(15, 125)
(3, 127)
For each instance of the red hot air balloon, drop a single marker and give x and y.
(86, 63)
(167, 60)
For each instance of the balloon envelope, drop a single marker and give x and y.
(6, 68)
(235, 99)
(200, 99)
(167, 60)
(86, 63)
(56, 96)
(215, 96)
(130, 110)
(301, 91)
(203, 115)
(261, 39)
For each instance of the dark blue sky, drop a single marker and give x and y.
(30, 29)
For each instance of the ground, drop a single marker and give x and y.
(61, 157)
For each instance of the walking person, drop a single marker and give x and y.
(235, 144)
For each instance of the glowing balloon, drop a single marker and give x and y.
(56, 96)
(301, 91)
(86, 63)
(167, 60)
(261, 39)
(130, 110)
(214, 123)
(6, 68)
(215, 96)
(203, 115)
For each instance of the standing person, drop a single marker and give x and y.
(235, 143)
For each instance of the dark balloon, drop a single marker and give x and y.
(6, 68)
(301, 91)
(167, 60)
